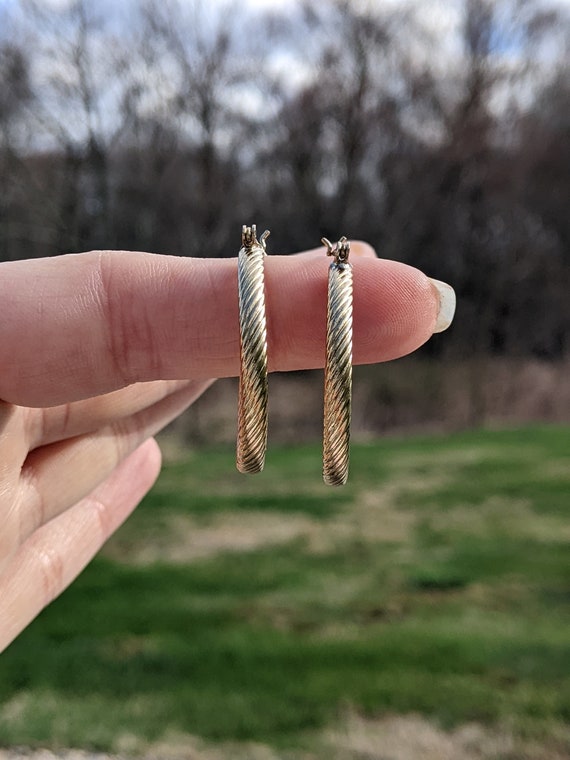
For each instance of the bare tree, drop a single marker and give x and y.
(210, 81)
(15, 95)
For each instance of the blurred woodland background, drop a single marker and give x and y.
(439, 132)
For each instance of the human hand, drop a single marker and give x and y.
(101, 350)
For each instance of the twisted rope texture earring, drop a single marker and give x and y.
(338, 365)
(252, 399)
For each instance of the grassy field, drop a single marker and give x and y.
(275, 612)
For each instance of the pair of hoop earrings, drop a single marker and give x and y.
(253, 388)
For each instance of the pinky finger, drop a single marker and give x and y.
(56, 553)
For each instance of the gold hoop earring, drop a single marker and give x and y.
(338, 365)
(252, 401)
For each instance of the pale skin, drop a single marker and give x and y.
(101, 350)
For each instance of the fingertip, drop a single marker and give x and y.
(362, 250)
(395, 310)
(148, 457)
(134, 477)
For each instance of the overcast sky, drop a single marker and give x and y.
(267, 4)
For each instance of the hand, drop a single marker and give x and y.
(101, 350)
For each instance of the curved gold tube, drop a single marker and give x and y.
(338, 366)
(252, 401)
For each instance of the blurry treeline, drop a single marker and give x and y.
(439, 132)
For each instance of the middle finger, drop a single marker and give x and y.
(58, 423)
(57, 476)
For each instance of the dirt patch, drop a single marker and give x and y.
(513, 516)
(414, 738)
(183, 539)
(46, 754)
(374, 517)
(408, 737)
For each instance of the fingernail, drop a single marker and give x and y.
(447, 303)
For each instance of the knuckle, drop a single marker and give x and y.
(122, 433)
(102, 519)
(9, 541)
(132, 344)
(34, 515)
(51, 571)
(114, 319)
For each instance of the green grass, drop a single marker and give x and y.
(437, 582)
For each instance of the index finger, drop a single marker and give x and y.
(80, 325)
